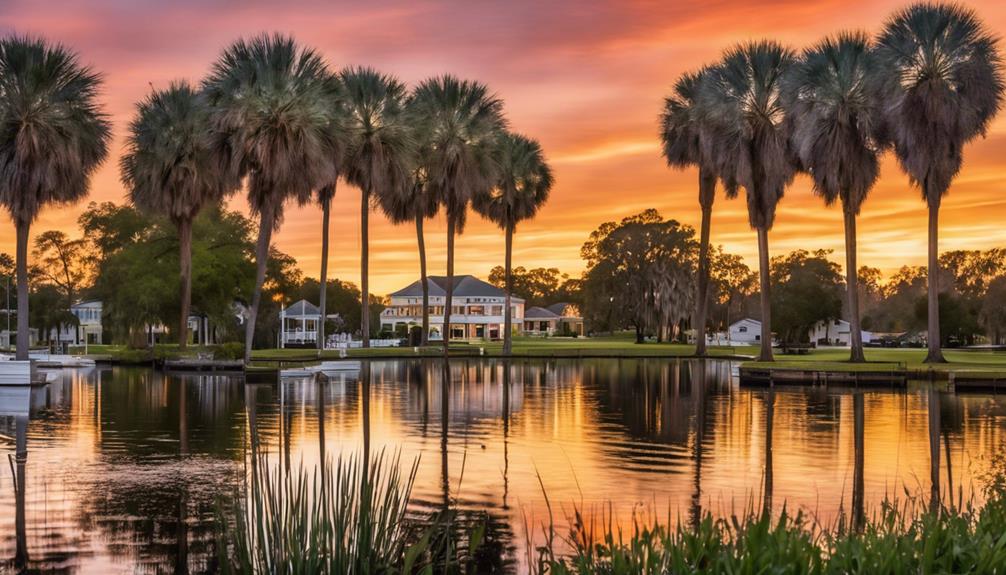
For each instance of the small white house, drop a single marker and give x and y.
(744, 331)
(835, 332)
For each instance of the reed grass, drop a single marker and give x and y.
(349, 518)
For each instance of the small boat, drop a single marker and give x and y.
(57, 360)
(328, 368)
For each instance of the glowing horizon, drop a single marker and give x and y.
(586, 80)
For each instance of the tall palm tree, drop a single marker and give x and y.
(687, 139)
(415, 204)
(462, 120)
(378, 154)
(524, 180)
(325, 196)
(271, 112)
(170, 169)
(741, 95)
(53, 135)
(940, 77)
(835, 116)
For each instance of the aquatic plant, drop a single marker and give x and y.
(903, 536)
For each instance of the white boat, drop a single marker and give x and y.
(328, 368)
(15, 373)
(45, 359)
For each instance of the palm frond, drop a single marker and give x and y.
(53, 131)
(941, 80)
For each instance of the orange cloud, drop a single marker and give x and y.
(587, 79)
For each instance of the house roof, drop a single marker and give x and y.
(301, 308)
(464, 286)
(746, 320)
(539, 313)
(564, 308)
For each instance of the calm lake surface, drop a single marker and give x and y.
(125, 466)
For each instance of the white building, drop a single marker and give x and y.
(477, 308)
(88, 328)
(745, 331)
(556, 319)
(836, 332)
(299, 324)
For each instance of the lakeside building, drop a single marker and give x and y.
(556, 319)
(299, 323)
(837, 332)
(477, 309)
(746, 331)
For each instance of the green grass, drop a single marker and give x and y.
(883, 359)
(352, 518)
(619, 345)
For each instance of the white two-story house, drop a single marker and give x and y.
(477, 309)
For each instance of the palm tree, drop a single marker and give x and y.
(687, 139)
(325, 196)
(53, 135)
(272, 114)
(415, 204)
(524, 180)
(741, 97)
(462, 120)
(378, 153)
(835, 116)
(940, 77)
(170, 169)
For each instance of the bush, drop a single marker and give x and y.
(229, 351)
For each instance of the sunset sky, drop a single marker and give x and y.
(587, 79)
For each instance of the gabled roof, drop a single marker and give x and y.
(301, 308)
(539, 313)
(562, 308)
(746, 320)
(464, 286)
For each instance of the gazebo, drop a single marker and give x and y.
(298, 324)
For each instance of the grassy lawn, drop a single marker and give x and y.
(882, 359)
(609, 346)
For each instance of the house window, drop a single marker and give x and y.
(743, 329)
(757, 338)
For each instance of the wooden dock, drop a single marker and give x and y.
(765, 377)
(978, 382)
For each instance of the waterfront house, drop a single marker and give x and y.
(298, 324)
(87, 329)
(477, 309)
(745, 331)
(835, 332)
(556, 319)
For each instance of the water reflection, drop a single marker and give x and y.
(119, 470)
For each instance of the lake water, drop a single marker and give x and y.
(125, 467)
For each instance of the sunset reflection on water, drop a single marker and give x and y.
(126, 467)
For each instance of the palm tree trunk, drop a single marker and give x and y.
(449, 298)
(326, 212)
(365, 267)
(852, 287)
(934, 448)
(858, 482)
(507, 314)
(707, 190)
(22, 291)
(766, 297)
(267, 217)
(185, 259)
(769, 486)
(935, 355)
(422, 279)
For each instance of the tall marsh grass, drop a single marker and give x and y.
(350, 518)
(904, 536)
